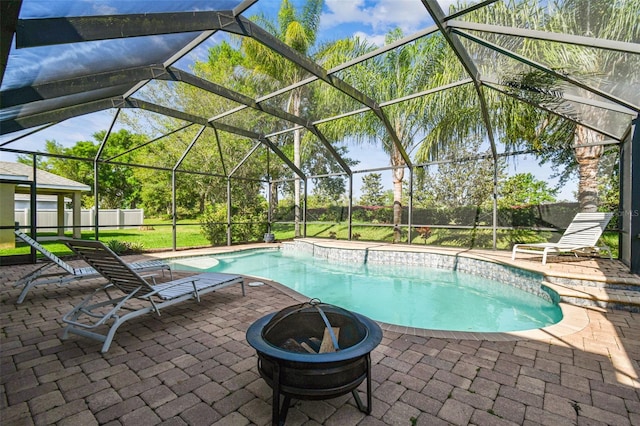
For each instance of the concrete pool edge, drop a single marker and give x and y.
(574, 318)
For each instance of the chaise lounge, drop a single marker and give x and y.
(39, 277)
(125, 288)
(581, 237)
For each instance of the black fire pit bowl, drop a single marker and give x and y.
(287, 343)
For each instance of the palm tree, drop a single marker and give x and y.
(586, 18)
(562, 142)
(299, 31)
(406, 70)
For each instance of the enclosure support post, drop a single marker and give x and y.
(96, 185)
(410, 212)
(173, 210)
(229, 211)
(350, 206)
(96, 204)
(630, 199)
(494, 196)
(33, 204)
(269, 204)
(269, 194)
(304, 210)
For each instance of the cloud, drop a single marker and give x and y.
(445, 4)
(380, 16)
(103, 9)
(377, 40)
(373, 19)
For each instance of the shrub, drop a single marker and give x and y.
(424, 232)
(213, 224)
(125, 247)
(248, 223)
(372, 214)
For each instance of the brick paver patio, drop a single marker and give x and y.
(193, 366)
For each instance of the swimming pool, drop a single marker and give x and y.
(403, 295)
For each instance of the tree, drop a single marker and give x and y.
(461, 181)
(524, 189)
(328, 189)
(299, 31)
(586, 17)
(372, 190)
(609, 181)
(407, 69)
(214, 154)
(572, 147)
(119, 187)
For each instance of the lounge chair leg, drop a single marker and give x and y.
(24, 291)
(30, 281)
(107, 341)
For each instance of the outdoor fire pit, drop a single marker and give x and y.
(314, 351)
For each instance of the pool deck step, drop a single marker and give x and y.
(590, 282)
(603, 297)
(583, 281)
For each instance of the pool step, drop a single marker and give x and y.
(615, 296)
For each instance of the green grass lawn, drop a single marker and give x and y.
(157, 235)
(468, 238)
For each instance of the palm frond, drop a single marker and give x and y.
(310, 19)
(296, 36)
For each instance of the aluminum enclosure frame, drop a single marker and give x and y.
(36, 107)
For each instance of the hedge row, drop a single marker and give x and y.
(558, 215)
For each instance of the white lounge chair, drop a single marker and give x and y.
(581, 237)
(95, 311)
(38, 277)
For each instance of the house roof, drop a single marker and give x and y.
(46, 183)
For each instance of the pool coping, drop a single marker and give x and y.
(574, 318)
(501, 257)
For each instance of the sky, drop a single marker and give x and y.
(368, 19)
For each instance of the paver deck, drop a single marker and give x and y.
(193, 366)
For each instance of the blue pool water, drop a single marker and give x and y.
(402, 295)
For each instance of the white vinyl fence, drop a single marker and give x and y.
(108, 218)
